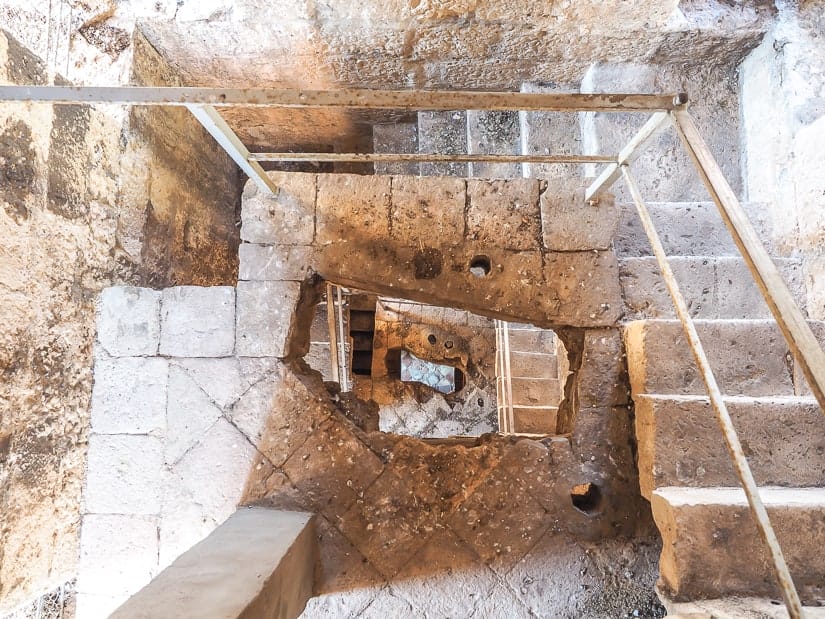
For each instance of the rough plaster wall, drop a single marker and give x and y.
(75, 217)
(783, 109)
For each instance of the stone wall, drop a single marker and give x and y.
(83, 204)
(782, 95)
(187, 422)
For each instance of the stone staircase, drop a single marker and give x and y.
(711, 548)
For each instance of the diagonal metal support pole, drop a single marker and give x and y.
(231, 143)
(740, 462)
(627, 155)
(801, 341)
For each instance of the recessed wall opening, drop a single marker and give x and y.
(438, 372)
(587, 498)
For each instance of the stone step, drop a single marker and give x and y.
(711, 547)
(533, 365)
(736, 608)
(686, 229)
(532, 340)
(713, 287)
(748, 357)
(493, 132)
(445, 133)
(400, 137)
(535, 419)
(680, 443)
(536, 391)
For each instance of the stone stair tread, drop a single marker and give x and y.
(736, 608)
(711, 547)
(713, 286)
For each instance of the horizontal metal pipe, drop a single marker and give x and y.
(426, 157)
(432, 100)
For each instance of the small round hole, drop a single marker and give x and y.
(480, 402)
(448, 344)
(431, 339)
(480, 266)
(586, 498)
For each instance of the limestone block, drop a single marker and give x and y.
(190, 413)
(129, 395)
(444, 133)
(222, 379)
(711, 548)
(123, 474)
(287, 218)
(118, 553)
(550, 133)
(504, 213)
(273, 262)
(128, 321)
(353, 208)
(259, 563)
(88, 606)
(265, 317)
(198, 322)
(532, 339)
(586, 285)
(395, 138)
(713, 287)
(319, 358)
(495, 132)
(602, 378)
(748, 357)
(428, 211)
(536, 391)
(570, 224)
(680, 444)
(535, 420)
(533, 365)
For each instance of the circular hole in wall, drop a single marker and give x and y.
(480, 266)
(431, 339)
(586, 498)
(448, 344)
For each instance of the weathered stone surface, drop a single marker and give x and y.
(534, 419)
(533, 365)
(266, 333)
(128, 321)
(119, 553)
(680, 444)
(748, 357)
(428, 211)
(699, 527)
(123, 475)
(494, 133)
(273, 262)
(332, 468)
(446, 133)
(258, 563)
(685, 229)
(287, 218)
(536, 391)
(570, 224)
(129, 396)
(587, 283)
(504, 213)
(395, 138)
(197, 322)
(713, 287)
(189, 414)
(222, 380)
(351, 208)
(602, 378)
(550, 133)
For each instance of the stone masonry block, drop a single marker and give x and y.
(128, 321)
(586, 284)
(428, 211)
(123, 474)
(265, 314)
(198, 322)
(273, 262)
(353, 207)
(118, 553)
(395, 138)
(494, 132)
(571, 224)
(443, 132)
(222, 379)
(190, 413)
(287, 218)
(504, 213)
(129, 395)
(602, 378)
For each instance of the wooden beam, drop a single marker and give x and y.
(627, 155)
(354, 98)
(804, 346)
(231, 143)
